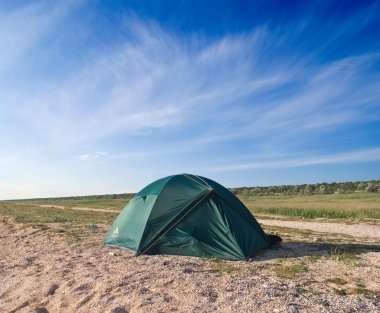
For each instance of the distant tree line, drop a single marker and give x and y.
(91, 197)
(310, 189)
(95, 197)
(305, 189)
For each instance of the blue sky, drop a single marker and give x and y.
(106, 96)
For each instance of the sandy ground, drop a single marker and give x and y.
(73, 208)
(41, 272)
(363, 230)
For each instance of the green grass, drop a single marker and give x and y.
(343, 206)
(340, 292)
(343, 255)
(289, 271)
(36, 215)
(220, 265)
(335, 206)
(336, 280)
(223, 267)
(313, 258)
(311, 213)
(353, 206)
(88, 203)
(73, 225)
(252, 269)
(362, 290)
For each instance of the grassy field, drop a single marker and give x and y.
(347, 206)
(25, 213)
(88, 203)
(336, 206)
(72, 224)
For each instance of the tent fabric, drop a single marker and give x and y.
(187, 215)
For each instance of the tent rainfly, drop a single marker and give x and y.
(187, 215)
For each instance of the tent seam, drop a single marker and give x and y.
(138, 247)
(205, 186)
(175, 224)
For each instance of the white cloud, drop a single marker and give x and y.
(362, 156)
(147, 92)
(24, 28)
(226, 89)
(91, 156)
(154, 80)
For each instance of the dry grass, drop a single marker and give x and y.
(346, 206)
(90, 203)
(360, 205)
(336, 280)
(71, 224)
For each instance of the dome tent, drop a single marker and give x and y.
(187, 215)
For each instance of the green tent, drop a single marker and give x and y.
(187, 215)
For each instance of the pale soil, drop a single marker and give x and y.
(363, 230)
(73, 208)
(41, 272)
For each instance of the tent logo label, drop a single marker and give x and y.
(115, 233)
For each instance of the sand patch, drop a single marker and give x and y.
(41, 272)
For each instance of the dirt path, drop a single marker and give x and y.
(356, 230)
(73, 208)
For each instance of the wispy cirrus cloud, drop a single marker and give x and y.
(271, 92)
(91, 156)
(154, 80)
(328, 99)
(157, 80)
(362, 156)
(200, 93)
(24, 28)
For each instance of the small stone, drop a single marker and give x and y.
(318, 239)
(119, 309)
(143, 290)
(52, 289)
